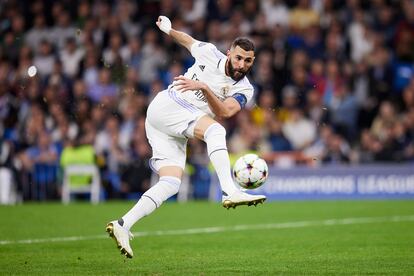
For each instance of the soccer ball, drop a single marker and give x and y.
(250, 171)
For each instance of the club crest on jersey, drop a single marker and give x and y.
(225, 90)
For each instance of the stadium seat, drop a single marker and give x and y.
(70, 186)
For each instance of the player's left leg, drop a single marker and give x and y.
(166, 187)
(214, 134)
(121, 236)
(168, 161)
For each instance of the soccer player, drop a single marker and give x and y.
(216, 85)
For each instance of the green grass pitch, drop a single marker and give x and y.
(277, 238)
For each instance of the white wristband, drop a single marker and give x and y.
(165, 24)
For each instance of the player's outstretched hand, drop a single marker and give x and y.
(164, 23)
(183, 84)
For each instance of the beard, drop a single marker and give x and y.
(236, 74)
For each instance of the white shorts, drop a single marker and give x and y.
(170, 122)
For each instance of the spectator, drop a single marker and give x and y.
(135, 53)
(385, 119)
(408, 97)
(44, 60)
(380, 76)
(299, 130)
(40, 161)
(276, 138)
(333, 80)
(276, 12)
(153, 57)
(385, 23)
(300, 84)
(107, 144)
(116, 49)
(290, 102)
(317, 149)
(247, 136)
(44, 151)
(314, 108)
(337, 151)
(343, 111)
(78, 154)
(105, 90)
(136, 175)
(71, 57)
(58, 84)
(368, 147)
(317, 77)
(360, 37)
(302, 16)
(90, 69)
(38, 33)
(266, 103)
(63, 29)
(192, 10)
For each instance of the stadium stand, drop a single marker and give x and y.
(334, 83)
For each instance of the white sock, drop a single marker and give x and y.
(215, 138)
(166, 187)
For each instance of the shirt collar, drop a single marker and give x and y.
(222, 65)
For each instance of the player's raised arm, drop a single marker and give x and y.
(164, 23)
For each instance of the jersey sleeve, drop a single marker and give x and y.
(201, 49)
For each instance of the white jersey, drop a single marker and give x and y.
(209, 67)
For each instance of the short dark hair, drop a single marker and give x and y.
(244, 43)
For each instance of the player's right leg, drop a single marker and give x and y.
(214, 135)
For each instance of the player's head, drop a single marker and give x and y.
(240, 58)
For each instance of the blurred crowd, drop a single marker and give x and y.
(334, 83)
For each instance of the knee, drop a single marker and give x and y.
(214, 129)
(215, 138)
(166, 187)
(171, 184)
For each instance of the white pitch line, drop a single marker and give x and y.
(218, 229)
